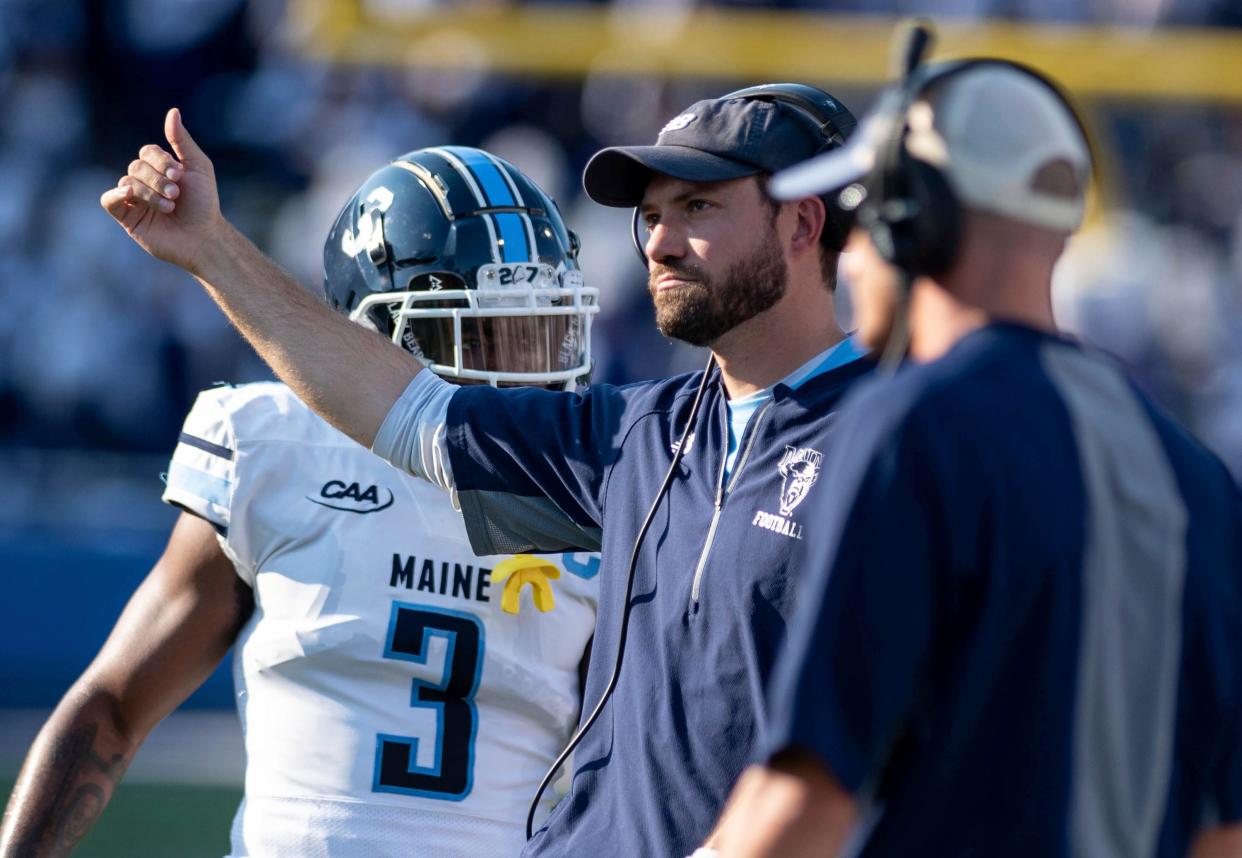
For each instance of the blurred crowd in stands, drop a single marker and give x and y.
(103, 349)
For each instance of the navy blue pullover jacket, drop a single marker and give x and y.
(1021, 613)
(545, 471)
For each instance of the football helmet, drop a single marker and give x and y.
(461, 259)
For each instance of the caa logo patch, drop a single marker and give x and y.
(351, 497)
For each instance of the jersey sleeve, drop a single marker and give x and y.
(411, 438)
(845, 683)
(202, 473)
(529, 465)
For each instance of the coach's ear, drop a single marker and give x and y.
(812, 218)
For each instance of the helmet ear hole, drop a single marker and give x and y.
(377, 244)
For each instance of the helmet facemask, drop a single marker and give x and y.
(523, 323)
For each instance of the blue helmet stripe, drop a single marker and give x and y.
(488, 177)
(513, 234)
(516, 244)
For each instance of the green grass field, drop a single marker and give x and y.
(160, 821)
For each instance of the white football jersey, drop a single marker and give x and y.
(398, 694)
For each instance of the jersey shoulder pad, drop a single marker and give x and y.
(266, 412)
(229, 424)
(201, 475)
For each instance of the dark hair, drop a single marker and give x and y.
(831, 237)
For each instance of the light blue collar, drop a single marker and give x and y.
(741, 410)
(839, 355)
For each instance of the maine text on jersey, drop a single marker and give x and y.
(461, 581)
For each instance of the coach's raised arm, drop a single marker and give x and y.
(169, 205)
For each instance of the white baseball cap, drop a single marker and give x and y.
(1004, 140)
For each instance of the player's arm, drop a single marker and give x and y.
(792, 807)
(170, 207)
(1222, 841)
(176, 628)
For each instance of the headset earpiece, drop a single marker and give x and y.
(916, 225)
(937, 220)
(911, 212)
(636, 236)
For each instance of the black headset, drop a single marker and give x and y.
(910, 210)
(833, 122)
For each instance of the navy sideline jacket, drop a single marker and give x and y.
(1020, 628)
(545, 471)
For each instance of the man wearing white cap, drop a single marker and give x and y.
(1021, 609)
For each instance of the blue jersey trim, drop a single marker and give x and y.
(214, 490)
(585, 570)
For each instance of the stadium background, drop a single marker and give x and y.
(102, 349)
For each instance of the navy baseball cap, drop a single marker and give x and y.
(711, 141)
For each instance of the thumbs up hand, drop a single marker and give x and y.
(168, 203)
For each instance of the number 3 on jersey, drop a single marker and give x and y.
(411, 630)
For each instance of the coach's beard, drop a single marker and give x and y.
(706, 308)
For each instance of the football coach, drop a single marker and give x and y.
(693, 488)
(1020, 621)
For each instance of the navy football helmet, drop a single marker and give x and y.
(461, 259)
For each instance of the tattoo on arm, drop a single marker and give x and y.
(75, 765)
(80, 784)
(80, 813)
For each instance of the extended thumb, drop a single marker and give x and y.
(179, 138)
